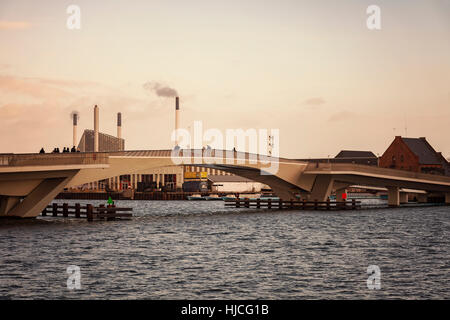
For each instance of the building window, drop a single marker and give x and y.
(402, 158)
(170, 181)
(147, 178)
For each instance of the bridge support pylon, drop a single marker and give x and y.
(393, 196)
(321, 189)
(7, 203)
(340, 193)
(34, 202)
(422, 198)
(403, 197)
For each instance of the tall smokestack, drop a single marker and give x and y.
(75, 123)
(95, 128)
(119, 125)
(177, 119)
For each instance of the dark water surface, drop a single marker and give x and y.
(201, 250)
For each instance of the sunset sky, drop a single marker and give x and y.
(309, 68)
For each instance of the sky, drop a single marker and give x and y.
(311, 69)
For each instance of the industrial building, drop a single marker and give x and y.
(106, 142)
(164, 178)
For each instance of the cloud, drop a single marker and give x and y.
(341, 115)
(30, 87)
(4, 67)
(314, 102)
(160, 89)
(14, 25)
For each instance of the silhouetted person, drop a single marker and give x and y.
(57, 149)
(73, 149)
(42, 150)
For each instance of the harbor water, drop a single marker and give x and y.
(202, 250)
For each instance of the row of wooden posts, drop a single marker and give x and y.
(293, 204)
(110, 212)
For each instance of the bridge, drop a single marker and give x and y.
(29, 182)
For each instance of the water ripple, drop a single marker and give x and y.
(201, 250)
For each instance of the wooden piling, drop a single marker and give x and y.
(77, 210)
(89, 212)
(65, 210)
(55, 209)
(293, 204)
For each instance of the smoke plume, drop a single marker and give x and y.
(74, 112)
(160, 89)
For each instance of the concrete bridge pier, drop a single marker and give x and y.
(30, 195)
(393, 196)
(39, 198)
(7, 203)
(283, 193)
(422, 198)
(321, 189)
(339, 193)
(403, 197)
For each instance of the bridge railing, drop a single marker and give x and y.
(213, 155)
(47, 159)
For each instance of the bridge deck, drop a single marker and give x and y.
(372, 171)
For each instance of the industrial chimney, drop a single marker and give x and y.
(75, 123)
(95, 128)
(177, 119)
(119, 125)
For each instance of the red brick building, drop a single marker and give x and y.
(414, 154)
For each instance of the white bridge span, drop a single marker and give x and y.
(29, 182)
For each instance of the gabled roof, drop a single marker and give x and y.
(421, 148)
(355, 154)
